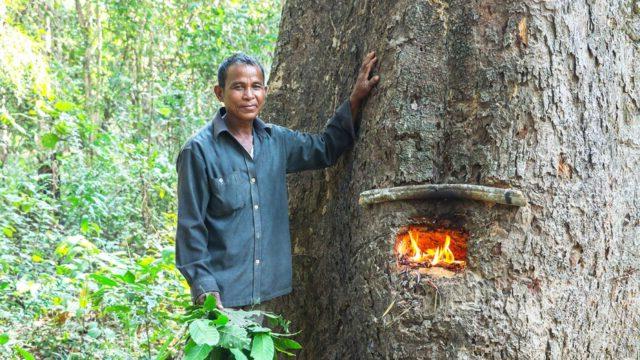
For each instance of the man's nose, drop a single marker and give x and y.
(248, 94)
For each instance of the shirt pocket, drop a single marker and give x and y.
(229, 193)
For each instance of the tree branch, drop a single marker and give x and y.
(444, 191)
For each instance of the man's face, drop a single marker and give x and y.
(244, 92)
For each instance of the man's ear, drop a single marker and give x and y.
(266, 90)
(219, 92)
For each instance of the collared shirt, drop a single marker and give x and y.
(233, 224)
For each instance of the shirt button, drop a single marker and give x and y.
(257, 261)
(255, 207)
(220, 180)
(253, 180)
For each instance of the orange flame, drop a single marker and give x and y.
(423, 247)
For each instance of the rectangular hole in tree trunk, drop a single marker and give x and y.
(435, 250)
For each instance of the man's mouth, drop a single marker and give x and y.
(249, 107)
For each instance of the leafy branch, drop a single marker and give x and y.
(217, 334)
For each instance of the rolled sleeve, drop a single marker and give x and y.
(192, 256)
(306, 151)
(344, 119)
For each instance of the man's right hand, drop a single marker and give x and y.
(200, 299)
(363, 85)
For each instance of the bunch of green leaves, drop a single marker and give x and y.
(225, 334)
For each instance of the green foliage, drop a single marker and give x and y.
(24, 353)
(204, 332)
(94, 106)
(236, 333)
(262, 347)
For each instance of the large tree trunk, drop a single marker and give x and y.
(538, 96)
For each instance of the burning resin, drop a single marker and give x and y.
(422, 247)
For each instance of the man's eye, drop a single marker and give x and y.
(257, 87)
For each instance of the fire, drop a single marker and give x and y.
(421, 247)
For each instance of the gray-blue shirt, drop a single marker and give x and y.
(233, 224)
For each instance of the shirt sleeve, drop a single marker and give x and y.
(192, 255)
(306, 151)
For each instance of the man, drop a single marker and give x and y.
(233, 228)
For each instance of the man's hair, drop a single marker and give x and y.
(237, 58)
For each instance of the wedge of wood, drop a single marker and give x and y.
(444, 191)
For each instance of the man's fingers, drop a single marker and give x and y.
(374, 81)
(364, 85)
(218, 301)
(364, 64)
(370, 65)
(367, 58)
(365, 70)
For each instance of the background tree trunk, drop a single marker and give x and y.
(540, 96)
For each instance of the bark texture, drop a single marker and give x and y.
(540, 96)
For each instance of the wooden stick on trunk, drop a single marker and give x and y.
(444, 191)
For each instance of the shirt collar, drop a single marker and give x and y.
(220, 125)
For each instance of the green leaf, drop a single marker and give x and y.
(238, 354)
(94, 332)
(244, 318)
(101, 279)
(286, 334)
(64, 106)
(221, 320)
(164, 111)
(193, 351)
(202, 332)
(262, 347)
(8, 231)
(4, 338)
(258, 329)
(234, 337)
(49, 140)
(84, 226)
(24, 353)
(283, 351)
(210, 302)
(62, 128)
(129, 277)
(146, 261)
(287, 344)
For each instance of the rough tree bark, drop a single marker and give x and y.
(539, 96)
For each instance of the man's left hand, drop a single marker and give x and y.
(363, 85)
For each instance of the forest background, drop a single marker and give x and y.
(96, 98)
